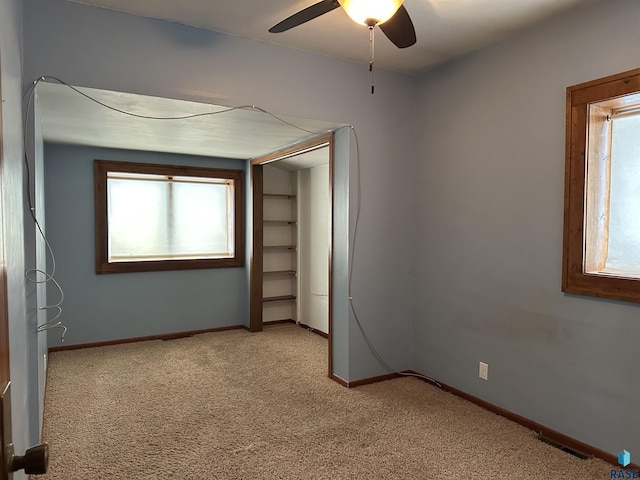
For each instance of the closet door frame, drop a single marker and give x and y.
(256, 257)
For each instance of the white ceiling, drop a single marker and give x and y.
(69, 117)
(445, 29)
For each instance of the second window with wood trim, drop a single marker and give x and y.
(602, 188)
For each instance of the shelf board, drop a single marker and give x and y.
(278, 321)
(279, 195)
(280, 272)
(279, 222)
(279, 298)
(279, 247)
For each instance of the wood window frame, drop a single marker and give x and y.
(585, 219)
(102, 167)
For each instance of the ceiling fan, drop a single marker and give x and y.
(390, 15)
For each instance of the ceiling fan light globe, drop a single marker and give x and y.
(366, 11)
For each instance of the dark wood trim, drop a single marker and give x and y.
(164, 336)
(304, 146)
(257, 253)
(365, 381)
(369, 381)
(102, 167)
(339, 380)
(609, 92)
(606, 88)
(558, 438)
(331, 242)
(598, 82)
(543, 430)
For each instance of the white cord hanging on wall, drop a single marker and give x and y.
(32, 274)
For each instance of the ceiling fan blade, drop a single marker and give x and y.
(305, 15)
(399, 29)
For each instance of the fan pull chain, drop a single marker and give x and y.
(372, 53)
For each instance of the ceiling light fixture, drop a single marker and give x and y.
(370, 12)
(398, 27)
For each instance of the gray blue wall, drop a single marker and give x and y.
(489, 233)
(36, 284)
(99, 48)
(13, 224)
(460, 242)
(100, 308)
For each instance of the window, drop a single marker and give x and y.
(601, 254)
(164, 217)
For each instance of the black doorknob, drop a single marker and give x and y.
(34, 461)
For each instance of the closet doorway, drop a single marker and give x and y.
(292, 204)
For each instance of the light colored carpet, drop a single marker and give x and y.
(237, 405)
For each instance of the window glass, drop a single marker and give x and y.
(161, 217)
(624, 206)
(154, 217)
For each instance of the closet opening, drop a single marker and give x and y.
(292, 241)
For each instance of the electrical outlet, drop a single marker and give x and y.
(484, 371)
